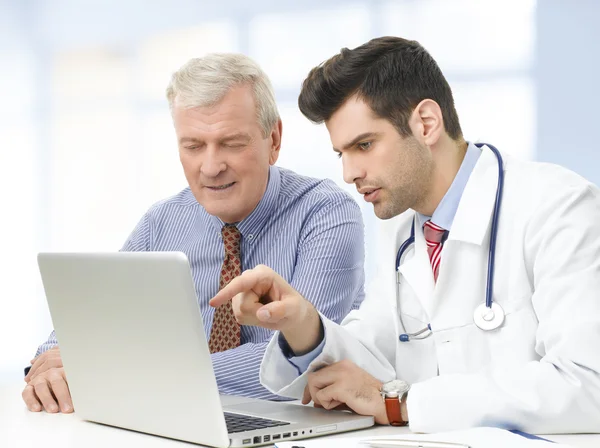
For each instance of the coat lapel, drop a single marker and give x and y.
(464, 256)
(470, 225)
(476, 205)
(416, 270)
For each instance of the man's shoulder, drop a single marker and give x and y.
(300, 188)
(182, 202)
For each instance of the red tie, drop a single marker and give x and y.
(434, 236)
(225, 331)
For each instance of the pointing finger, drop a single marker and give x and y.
(259, 280)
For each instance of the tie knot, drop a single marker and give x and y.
(434, 234)
(231, 239)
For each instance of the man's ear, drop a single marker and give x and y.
(427, 122)
(275, 142)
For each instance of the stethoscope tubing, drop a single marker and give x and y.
(489, 290)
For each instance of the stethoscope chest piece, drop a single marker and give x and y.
(488, 318)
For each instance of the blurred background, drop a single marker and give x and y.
(86, 139)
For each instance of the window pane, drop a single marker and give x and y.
(160, 173)
(500, 112)
(288, 45)
(97, 75)
(162, 54)
(467, 35)
(19, 284)
(94, 180)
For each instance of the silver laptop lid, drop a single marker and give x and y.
(133, 344)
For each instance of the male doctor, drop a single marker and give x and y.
(424, 348)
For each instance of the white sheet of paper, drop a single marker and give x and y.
(475, 438)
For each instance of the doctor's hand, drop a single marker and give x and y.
(261, 297)
(47, 360)
(344, 383)
(49, 391)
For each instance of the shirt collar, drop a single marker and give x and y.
(444, 214)
(252, 224)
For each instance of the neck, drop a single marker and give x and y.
(448, 155)
(243, 214)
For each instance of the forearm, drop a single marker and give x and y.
(237, 371)
(50, 343)
(538, 397)
(307, 335)
(355, 342)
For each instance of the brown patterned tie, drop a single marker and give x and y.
(225, 332)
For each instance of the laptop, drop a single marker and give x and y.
(135, 354)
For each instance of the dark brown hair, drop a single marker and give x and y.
(392, 75)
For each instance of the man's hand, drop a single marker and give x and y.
(344, 383)
(46, 389)
(261, 297)
(47, 360)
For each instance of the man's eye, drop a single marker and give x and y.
(364, 145)
(338, 155)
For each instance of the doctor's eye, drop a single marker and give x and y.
(338, 154)
(365, 145)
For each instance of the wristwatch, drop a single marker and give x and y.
(394, 394)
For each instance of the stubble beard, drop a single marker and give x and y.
(409, 192)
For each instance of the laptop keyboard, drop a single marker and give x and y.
(240, 423)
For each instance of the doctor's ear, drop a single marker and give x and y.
(427, 122)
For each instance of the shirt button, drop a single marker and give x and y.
(250, 237)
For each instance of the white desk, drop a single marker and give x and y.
(20, 428)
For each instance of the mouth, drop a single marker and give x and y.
(370, 194)
(220, 187)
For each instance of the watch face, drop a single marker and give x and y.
(395, 388)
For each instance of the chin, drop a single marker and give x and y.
(385, 213)
(385, 216)
(218, 210)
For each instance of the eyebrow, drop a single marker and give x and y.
(189, 140)
(358, 138)
(238, 136)
(241, 136)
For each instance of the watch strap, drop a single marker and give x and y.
(393, 410)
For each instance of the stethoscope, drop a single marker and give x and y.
(489, 315)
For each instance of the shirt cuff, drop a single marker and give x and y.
(301, 363)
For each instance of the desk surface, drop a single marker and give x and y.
(20, 428)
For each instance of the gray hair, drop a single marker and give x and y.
(204, 81)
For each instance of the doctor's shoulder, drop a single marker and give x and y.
(545, 186)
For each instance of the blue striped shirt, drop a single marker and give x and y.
(308, 230)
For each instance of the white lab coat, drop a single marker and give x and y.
(539, 372)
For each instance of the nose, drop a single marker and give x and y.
(212, 163)
(352, 170)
